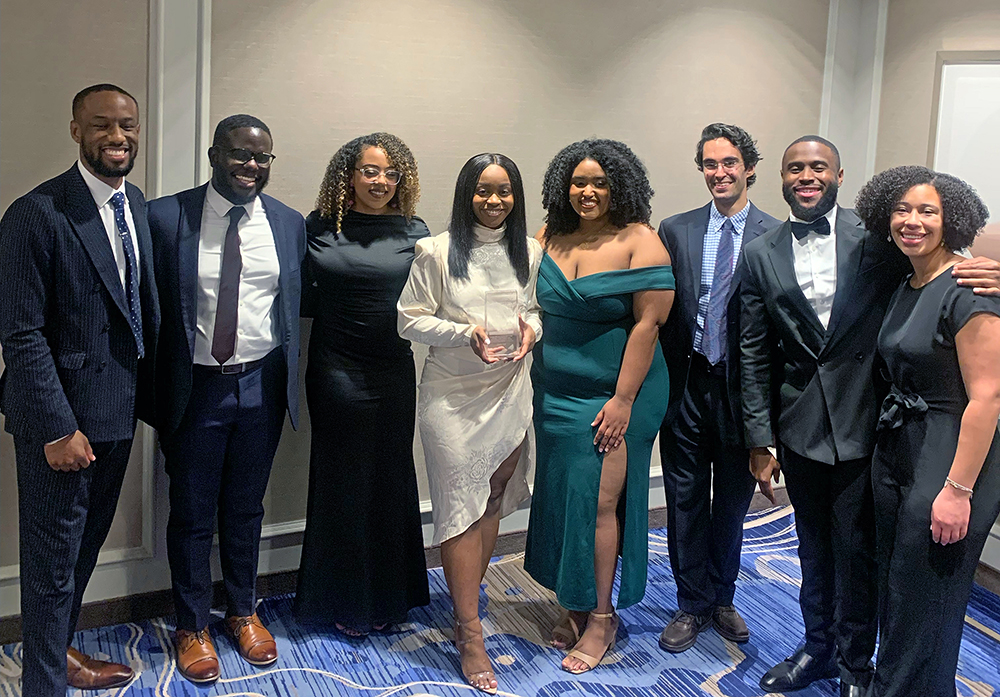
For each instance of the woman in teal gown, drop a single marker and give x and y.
(600, 390)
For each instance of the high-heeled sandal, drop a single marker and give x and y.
(593, 661)
(474, 678)
(566, 632)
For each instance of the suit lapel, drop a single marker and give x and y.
(87, 223)
(188, 239)
(284, 254)
(696, 232)
(754, 228)
(850, 252)
(783, 264)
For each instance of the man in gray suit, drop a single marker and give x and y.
(705, 476)
(78, 326)
(815, 292)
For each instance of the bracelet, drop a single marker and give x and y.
(952, 483)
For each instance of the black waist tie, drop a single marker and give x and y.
(899, 406)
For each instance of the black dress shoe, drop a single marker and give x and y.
(853, 690)
(797, 671)
(683, 631)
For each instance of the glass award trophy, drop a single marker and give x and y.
(502, 325)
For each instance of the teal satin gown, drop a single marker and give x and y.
(586, 323)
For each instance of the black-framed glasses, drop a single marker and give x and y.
(243, 156)
(370, 174)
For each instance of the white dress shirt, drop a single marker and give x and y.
(102, 194)
(816, 266)
(256, 326)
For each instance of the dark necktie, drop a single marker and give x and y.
(820, 226)
(227, 309)
(131, 271)
(714, 338)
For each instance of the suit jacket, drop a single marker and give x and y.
(175, 222)
(824, 399)
(684, 237)
(71, 358)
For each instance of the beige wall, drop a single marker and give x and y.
(917, 30)
(49, 51)
(457, 77)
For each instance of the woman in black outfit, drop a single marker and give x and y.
(936, 468)
(363, 555)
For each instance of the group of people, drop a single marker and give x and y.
(855, 352)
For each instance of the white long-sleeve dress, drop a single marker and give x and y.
(471, 415)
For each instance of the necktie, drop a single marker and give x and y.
(131, 271)
(820, 226)
(714, 338)
(226, 311)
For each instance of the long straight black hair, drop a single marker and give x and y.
(463, 218)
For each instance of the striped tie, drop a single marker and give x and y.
(131, 271)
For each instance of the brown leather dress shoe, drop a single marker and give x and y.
(196, 657)
(730, 624)
(256, 643)
(86, 673)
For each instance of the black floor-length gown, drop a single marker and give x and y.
(363, 554)
(924, 586)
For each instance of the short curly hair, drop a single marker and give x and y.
(740, 139)
(629, 184)
(335, 192)
(963, 213)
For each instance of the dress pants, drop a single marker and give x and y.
(835, 523)
(924, 586)
(708, 486)
(64, 520)
(219, 459)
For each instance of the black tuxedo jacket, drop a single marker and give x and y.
(684, 237)
(175, 222)
(815, 390)
(71, 359)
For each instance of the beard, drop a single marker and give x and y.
(104, 169)
(826, 202)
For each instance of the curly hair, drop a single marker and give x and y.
(963, 213)
(738, 138)
(630, 189)
(335, 193)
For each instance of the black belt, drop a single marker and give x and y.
(232, 369)
(699, 361)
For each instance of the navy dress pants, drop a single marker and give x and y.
(219, 461)
(64, 519)
(708, 486)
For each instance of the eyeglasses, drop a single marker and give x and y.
(730, 164)
(371, 175)
(243, 156)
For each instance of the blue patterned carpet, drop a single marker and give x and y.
(417, 659)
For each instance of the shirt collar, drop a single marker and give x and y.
(716, 219)
(101, 192)
(221, 206)
(831, 216)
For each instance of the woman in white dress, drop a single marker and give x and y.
(474, 404)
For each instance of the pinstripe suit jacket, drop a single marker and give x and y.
(71, 360)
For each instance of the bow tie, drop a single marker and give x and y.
(820, 226)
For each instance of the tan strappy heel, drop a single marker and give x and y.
(593, 661)
(566, 632)
(473, 679)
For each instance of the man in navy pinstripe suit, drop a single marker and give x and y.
(78, 325)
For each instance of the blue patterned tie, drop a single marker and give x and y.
(714, 339)
(131, 271)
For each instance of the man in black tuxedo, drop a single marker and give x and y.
(815, 292)
(705, 476)
(228, 264)
(78, 326)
